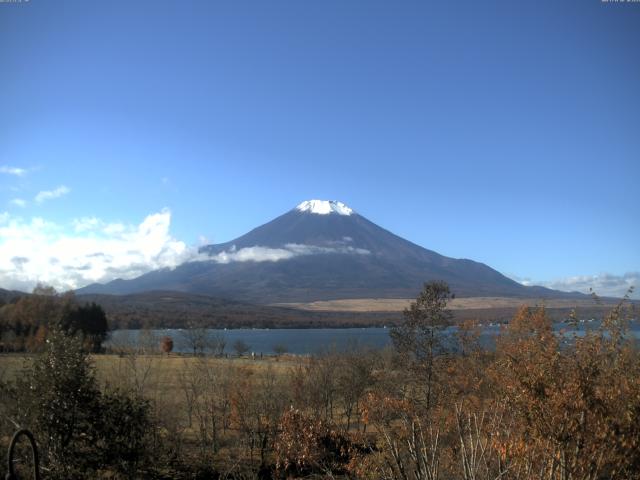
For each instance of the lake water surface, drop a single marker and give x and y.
(305, 341)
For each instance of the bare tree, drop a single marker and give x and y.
(321, 386)
(354, 376)
(241, 347)
(418, 338)
(216, 344)
(280, 349)
(205, 386)
(196, 339)
(479, 457)
(411, 449)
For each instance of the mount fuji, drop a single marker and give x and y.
(322, 250)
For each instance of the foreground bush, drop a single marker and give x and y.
(80, 430)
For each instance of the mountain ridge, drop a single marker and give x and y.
(322, 250)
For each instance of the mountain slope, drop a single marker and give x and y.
(9, 295)
(319, 251)
(157, 309)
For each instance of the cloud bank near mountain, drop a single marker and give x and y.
(603, 284)
(290, 250)
(89, 250)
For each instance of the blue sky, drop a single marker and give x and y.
(506, 132)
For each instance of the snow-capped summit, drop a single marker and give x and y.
(324, 207)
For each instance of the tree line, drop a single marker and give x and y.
(26, 321)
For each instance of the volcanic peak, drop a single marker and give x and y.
(324, 207)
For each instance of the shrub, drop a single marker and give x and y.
(58, 399)
(79, 430)
(305, 446)
(166, 344)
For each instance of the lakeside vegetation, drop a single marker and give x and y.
(158, 309)
(538, 406)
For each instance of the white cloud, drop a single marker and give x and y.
(90, 251)
(265, 254)
(86, 224)
(18, 172)
(18, 202)
(45, 195)
(114, 228)
(603, 284)
(251, 254)
(313, 249)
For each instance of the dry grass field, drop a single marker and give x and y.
(471, 303)
(163, 371)
(163, 378)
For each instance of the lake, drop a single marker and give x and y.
(305, 341)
